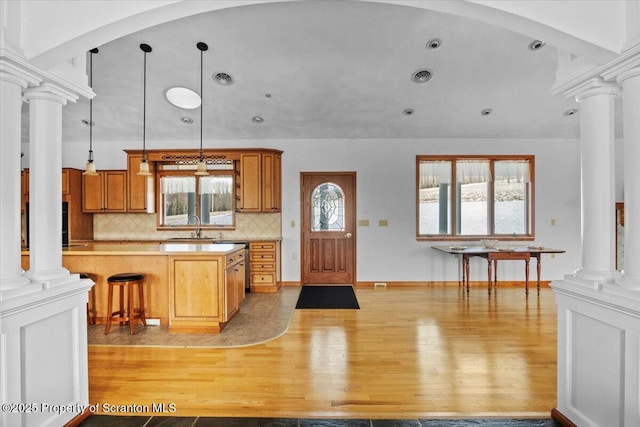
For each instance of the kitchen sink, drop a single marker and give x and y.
(196, 240)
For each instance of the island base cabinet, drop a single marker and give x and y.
(203, 294)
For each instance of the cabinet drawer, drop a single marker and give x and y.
(262, 256)
(262, 278)
(234, 258)
(263, 266)
(264, 246)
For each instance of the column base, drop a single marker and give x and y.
(51, 278)
(17, 287)
(632, 283)
(596, 275)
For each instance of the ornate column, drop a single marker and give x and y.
(630, 80)
(597, 138)
(13, 80)
(45, 184)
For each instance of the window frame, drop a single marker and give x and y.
(452, 218)
(190, 173)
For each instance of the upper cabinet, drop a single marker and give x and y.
(140, 189)
(259, 186)
(105, 192)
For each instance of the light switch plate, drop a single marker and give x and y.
(383, 223)
(363, 222)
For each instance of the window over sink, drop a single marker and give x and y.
(188, 200)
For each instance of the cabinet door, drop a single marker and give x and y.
(271, 182)
(115, 191)
(140, 189)
(231, 293)
(92, 193)
(250, 183)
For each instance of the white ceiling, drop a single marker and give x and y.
(330, 69)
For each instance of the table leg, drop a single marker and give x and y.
(495, 273)
(538, 268)
(489, 265)
(526, 276)
(465, 262)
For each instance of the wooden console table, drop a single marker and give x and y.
(522, 253)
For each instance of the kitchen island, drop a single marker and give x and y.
(189, 287)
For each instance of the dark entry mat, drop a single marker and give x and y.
(327, 297)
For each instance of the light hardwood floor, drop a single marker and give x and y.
(407, 353)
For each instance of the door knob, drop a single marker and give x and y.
(348, 235)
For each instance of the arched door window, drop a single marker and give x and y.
(327, 208)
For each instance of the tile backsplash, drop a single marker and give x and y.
(136, 226)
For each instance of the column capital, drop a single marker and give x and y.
(592, 87)
(49, 92)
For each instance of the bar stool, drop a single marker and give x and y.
(129, 280)
(91, 304)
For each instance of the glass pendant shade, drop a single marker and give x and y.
(202, 168)
(144, 168)
(90, 168)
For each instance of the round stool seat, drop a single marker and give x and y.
(126, 277)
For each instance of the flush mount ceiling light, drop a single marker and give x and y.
(422, 76)
(257, 119)
(90, 168)
(202, 166)
(434, 44)
(407, 112)
(183, 97)
(186, 120)
(486, 111)
(570, 112)
(536, 44)
(223, 79)
(144, 165)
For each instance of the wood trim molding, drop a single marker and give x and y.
(78, 419)
(558, 416)
(160, 155)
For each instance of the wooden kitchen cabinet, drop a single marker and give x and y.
(105, 192)
(260, 182)
(140, 189)
(204, 291)
(271, 182)
(265, 266)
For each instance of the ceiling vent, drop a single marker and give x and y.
(223, 79)
(422, 76)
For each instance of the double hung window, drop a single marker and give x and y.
(472, 197)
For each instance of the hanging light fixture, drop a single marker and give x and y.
(90, 168)
(202, 165)
(144, 164)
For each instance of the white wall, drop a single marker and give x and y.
(386, 190)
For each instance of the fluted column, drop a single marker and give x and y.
(45, 185)
(630, 80)
(13, 81)
(597, 137)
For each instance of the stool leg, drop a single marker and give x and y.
(109, 310)
(130, 308)
(141, 298)
(122, 318)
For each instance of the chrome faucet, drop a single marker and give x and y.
(198, 225)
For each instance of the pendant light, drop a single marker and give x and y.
(144, 165)
(202, 165)
(90, 168)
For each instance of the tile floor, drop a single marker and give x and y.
(137, 421)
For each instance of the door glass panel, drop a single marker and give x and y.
(327, 208)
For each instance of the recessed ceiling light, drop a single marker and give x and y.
(422, 76)
(223, 79)
(257, 119)
(536, 44)
(434, 44)
(571, 112)
(86, 122)
(183, 97)
(407, 112)
(486, 111)
(186, 120)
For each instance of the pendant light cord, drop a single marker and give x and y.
(201, 105)
(91, 107)
(144, 107)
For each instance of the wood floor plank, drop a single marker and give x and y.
(407, 353)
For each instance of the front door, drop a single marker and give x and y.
(328, 227)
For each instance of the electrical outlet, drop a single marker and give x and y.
(293, 224)
(379, 284)
(153, 322)
(552, 221)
